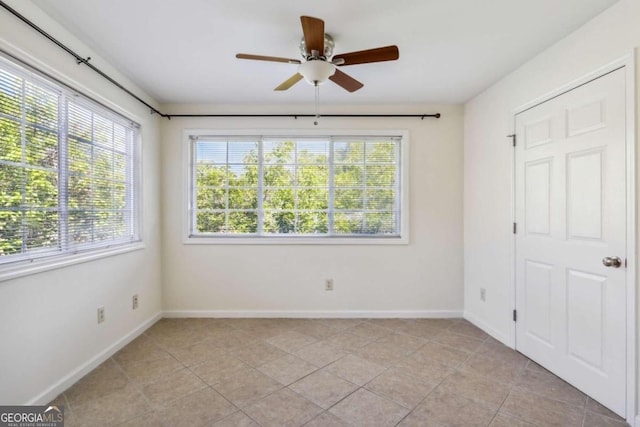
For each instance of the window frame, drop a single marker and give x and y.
(188, 169)
(23, 264)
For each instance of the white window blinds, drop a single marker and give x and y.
(296, 186)
(67, 170)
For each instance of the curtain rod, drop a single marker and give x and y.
(81, 60)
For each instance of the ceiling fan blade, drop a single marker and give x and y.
(266, 58)
(289, 82)
(387, 53)
(313, 30)
(345, 81)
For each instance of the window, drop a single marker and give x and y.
(311, 186)
(67, 170)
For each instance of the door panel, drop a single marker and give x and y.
(570, 199)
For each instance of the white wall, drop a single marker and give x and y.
(421, 277)
(49, 335)
(488, 155)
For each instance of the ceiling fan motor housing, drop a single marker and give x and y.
(328, 48)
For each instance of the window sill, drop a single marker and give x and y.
(9, 272)
(233, 240)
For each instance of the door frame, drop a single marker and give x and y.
(628, 63)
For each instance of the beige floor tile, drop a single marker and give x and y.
(107, 378)
(364, 408)
(246, 386)
(369, 331)
(347, 342)
(172, 386)
(591, 419)
(147, 371)
(355, 369)
(237, 419)
(421, 330)
(340, 324)
(502, 420)
(453, 410)
(397, 361)
(416, 419)
(480, 389)
(435, 351)
(459, 342)
(326, 419)
(217, 368)
(392, 324)
(232, 340)
(401, 387)
(142, 348)
(382, 354)
(146, 420)
(317, 330)
(429, 371)
(540, 410)
(440, 323)
(550, 386)
(113, 408)
(283, 408)
(466, 328)
(196, 353)
(258, 354)
(320, 353)
(402, 342)
(500, 351)
(287, 369)
(494, 368)
(596, 407)
(196, 409)
(323, 388)
(291, 341)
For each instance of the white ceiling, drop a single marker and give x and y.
(183, 51)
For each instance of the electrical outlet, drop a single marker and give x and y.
(100, 314)
(483, 294)
(134, 302)
(328, 285)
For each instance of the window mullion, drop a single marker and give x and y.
(23, 144)
(63, 174)
(331, 187)
(260, 187)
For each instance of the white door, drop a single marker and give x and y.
(570, 213)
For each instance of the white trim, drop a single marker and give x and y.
(503, 338)
(628, 63)
(68, 380)
(64, 260)
(312, 314)
(187, 160)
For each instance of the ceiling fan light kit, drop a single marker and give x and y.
(316, 72)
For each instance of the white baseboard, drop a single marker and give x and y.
(67, 381)
(505, 339)
(428, 314)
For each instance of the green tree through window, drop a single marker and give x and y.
(66, 170)
(296, 186)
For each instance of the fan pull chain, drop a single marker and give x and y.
(317, 104)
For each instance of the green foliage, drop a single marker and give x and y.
(30, 203)
(295, 195)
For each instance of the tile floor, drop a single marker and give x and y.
(324, 372)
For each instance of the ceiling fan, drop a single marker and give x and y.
(316, 48)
